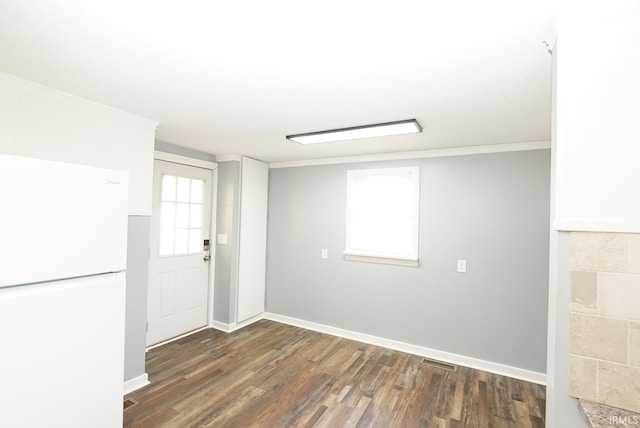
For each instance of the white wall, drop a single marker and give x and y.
(39, 122)
(598, 136)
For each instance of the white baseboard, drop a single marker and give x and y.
(229, 328)
(135, 383)
(474, 363)
(221, 326)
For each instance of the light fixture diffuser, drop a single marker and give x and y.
(399, 127)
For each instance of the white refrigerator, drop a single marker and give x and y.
(63, 243)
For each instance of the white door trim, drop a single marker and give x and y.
(184, 160)
(212, 244)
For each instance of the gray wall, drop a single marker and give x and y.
(136, 311)
(226, 257)
(492, 210)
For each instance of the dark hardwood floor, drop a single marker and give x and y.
(274, 375)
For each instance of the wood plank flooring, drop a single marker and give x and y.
(274, 375)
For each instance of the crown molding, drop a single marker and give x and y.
(419, 154)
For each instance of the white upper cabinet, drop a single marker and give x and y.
(40, 122)
(597, 136)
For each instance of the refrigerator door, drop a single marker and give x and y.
(62, 353)
(60, 220)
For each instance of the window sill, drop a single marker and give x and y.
(388, 260)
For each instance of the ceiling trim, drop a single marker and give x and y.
(419, 154)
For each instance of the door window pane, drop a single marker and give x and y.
(182, 241)
(181, 214)
(168, 188)
(167, 215)
(196, 216)
(184, 189)
(196, 191)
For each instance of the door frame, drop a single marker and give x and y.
(213, 167)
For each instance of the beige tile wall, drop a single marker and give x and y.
(605, 318)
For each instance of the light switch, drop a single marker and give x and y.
(222, 238)
(462, 266)
(325, 253)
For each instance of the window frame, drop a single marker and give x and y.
(410, 258)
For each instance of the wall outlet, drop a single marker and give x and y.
(462, 266)
(325, 253)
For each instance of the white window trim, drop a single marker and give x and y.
(396, 261)
(410, 259)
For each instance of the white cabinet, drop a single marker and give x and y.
(254, 179)
(597, 130)
(40, 122)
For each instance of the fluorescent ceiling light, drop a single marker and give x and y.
(400, 127)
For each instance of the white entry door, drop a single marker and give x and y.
(179, 261)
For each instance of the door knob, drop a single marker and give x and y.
(206, 257)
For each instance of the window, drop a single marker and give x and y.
(181, 211)
(383, 215)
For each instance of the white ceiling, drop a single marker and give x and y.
(235, 77)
